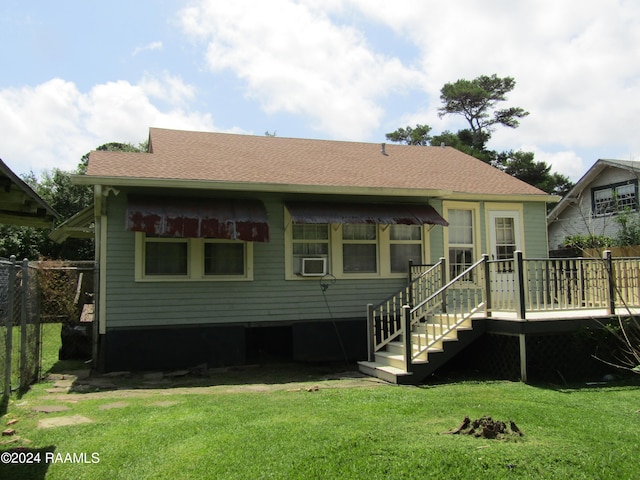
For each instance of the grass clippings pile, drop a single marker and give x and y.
(486, 427)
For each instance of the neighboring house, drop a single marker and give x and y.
(20, 204)
(226, 249)
(607, 188)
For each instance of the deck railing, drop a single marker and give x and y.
(561, 284)
(516, 285)
(565, 283)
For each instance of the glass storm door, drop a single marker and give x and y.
(504, 233)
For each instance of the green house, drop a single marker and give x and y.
(228, 249)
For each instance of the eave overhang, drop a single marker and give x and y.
(304, 189)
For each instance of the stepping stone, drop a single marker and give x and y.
(111, 406)
(63, 421)
(51, 408)
(63, 384)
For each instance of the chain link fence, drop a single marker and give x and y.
(19, 325)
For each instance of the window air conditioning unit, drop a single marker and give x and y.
(314, 267)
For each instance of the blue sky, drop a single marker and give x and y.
(78, 74)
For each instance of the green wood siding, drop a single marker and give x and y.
(535, 230)
(268, 298)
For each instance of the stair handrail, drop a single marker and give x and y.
(412, 316)
(398, 300)
(448, 285)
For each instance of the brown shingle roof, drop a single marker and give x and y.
(221, 157)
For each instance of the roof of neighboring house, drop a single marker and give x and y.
(590, 175)
(80, 225)
(20, 204)
(198, 159)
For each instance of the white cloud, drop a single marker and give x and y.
(157, 45)
(294, 59)
(577, 69)
(54, 123)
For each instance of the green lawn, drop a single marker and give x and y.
(383, 431)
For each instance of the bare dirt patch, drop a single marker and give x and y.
(242, 379)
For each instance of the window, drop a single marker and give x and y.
(461, 241)
(505, 238)
(309, 241)
(223, 258)
(192, 259)
(405, 243)
(164, 256)
(351, 250)
(359, 248)
(614, 198)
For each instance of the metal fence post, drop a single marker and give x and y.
(35, 305)
(10, 313)
(24, 367)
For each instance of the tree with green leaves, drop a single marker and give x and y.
(522, 165)
(411, 136)
(477, 101)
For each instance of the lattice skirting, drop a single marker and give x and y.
(560, 358)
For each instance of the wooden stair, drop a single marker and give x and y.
(389, 364)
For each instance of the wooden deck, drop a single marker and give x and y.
(549, 321)
(516, 297)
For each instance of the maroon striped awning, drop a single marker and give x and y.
(234, 219)
(383, 214)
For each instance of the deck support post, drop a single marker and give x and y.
(611, 291)
(443, 279)
(487, 285)
(408, 351)
(519, 286)
(523, 357)
(370, 333)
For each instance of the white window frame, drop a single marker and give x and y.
(614, 203)
(361, 241)
(419, 242)
(475, 231)
(195, 261)
(335, 253)
(298, 241)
